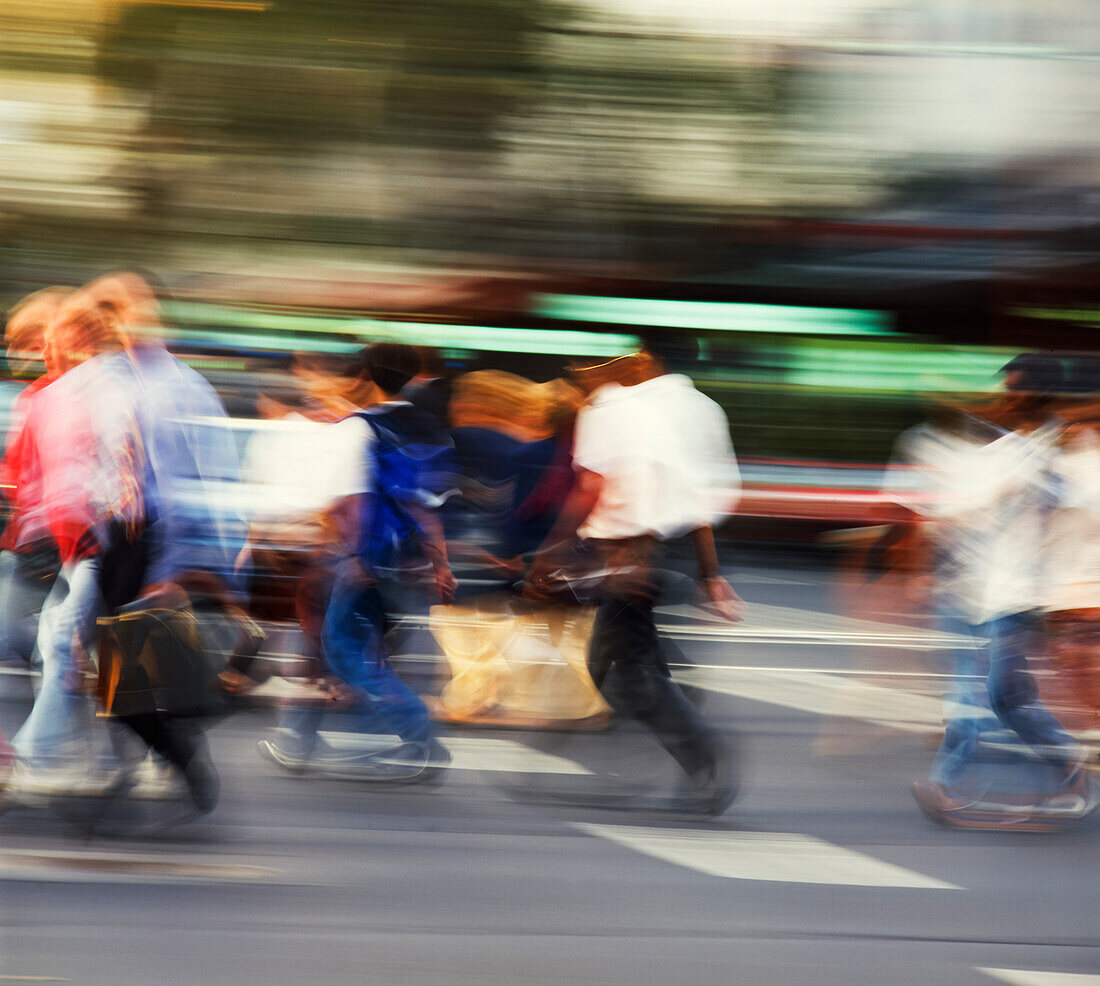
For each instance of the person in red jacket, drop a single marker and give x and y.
(81, 449)
(29, 562)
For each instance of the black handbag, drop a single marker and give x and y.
(158, 660)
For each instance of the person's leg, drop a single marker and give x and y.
(184, 746)
(626, 636)
(1014, 696)
(352, 636)
(295, 740)
(61, 713)
(966, 707)
(25, 582)
(9, 593)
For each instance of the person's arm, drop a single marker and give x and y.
(343, 516)
(580, 502)
(719, 593)
(435, 547)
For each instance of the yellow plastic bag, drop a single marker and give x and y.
(526, 669)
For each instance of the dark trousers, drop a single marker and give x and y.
(624, 638)
(177, 740)
(122, 573)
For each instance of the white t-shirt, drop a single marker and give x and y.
(664, 452)
(296, 468)
(991, 501)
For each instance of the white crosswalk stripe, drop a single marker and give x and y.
(1025, 977)
(828, 693)
(775, 857)
(824, 694)
(470, 753)
(474, 753)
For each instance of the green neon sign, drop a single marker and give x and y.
(714, 316)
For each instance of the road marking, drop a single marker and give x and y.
(103, 867)
(774, 857)
(475, 753)
(829, 694)
(471, 753)
(33, 979)
(1024, 977)
(809, 691)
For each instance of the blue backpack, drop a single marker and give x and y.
(411, 465)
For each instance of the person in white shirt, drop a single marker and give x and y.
(989, 494)
(397, 459)
(654, 462)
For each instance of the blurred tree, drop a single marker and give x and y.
(293, 73)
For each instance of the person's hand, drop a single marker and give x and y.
(80, 676)
(232, 682)
(500, 566)
(340, 694)
(536, 584)
(722, 600)
(445, 584)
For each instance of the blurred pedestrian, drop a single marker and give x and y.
(503, 448)
(29, 562)
(294, 469)
(395, 463)
(991, 491)
(653, 462)
(81, 445)
(191, 461)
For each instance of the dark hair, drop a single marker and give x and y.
(1037, 373)
(670, 348)
(391, 365)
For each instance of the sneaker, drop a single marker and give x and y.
(404, 763)
(1076, 781)
(154, 780)
(271, 751)
(936, 803)
(991, 816)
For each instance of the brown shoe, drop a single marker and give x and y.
(936, 803)
(1001, 816)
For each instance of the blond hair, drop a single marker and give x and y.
(29, 317)
(499, 401)
(80, 329)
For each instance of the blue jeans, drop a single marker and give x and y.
(25, 583)
(1009, 698)
(353, 646)
(61, 714)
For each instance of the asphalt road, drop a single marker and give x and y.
(824, 872)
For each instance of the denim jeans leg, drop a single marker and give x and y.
(23, 591)
(353, 644)
(966, 706)
(60, 715)
(296, 734)
(1014, 695)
